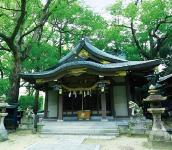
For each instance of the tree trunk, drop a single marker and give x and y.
(15, 80)
(35, 109)
(60, 46)
(2, 74)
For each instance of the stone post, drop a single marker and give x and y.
(3, 114)
(3, 131)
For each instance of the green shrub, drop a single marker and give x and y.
(4, 86)
(28, 101)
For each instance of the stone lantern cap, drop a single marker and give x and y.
(154, 96)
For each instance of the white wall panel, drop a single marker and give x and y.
(120, 100)
(52, 103)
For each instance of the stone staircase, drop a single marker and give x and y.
(102, 128)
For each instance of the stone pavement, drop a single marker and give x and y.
(62, 142)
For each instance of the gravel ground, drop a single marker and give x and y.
(21, 139)
(128, 143)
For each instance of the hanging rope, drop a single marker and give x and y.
(85, 89)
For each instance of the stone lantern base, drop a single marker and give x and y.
(3, 131)
(159, 136)
(3, 135)
(158, 132)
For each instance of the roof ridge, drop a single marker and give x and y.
(86, 44)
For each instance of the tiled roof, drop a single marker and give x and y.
(97, 67)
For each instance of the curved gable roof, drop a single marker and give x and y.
(95, 67)
(97, 53)
(74, 60)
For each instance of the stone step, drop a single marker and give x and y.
(102, 133)
(83, 131)
(81, 128)
(81, 123)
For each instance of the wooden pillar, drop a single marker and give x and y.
(46, 105)
(103, 105)
(128, 94)
(35, 109)
(60, 114)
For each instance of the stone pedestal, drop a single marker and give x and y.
(26, 123)
(139, 126)
(3, 131)
(40, 126)
(158, 132)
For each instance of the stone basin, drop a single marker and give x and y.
(156, 110)
(3, 114)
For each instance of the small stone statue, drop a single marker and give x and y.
(29, 112)
(27, 119)
(138, 124)
(136, 111)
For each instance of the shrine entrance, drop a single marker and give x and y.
(73, 103)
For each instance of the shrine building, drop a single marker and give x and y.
(90, 82)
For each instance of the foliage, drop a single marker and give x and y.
(4, 86)
(35, 63)
(69, 22)
(21, 24)
(5, 64)
(28, 101)
(145, 28)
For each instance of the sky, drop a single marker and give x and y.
(99, 6)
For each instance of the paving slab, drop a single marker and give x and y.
(63, 147)
(63, 143)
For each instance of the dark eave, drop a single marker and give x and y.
(165, 78)
(91, 66)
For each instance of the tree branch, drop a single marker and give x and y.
(28, 32)
(159, 24)
(10, 9)
(5, 49)
(122, 25)
(2, 73)
(4, 37)
(20, 20)
(133, 31)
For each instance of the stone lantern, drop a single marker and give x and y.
(158, 132)
(3, 114)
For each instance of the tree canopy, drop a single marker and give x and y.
(35, 34)
(145, 28)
